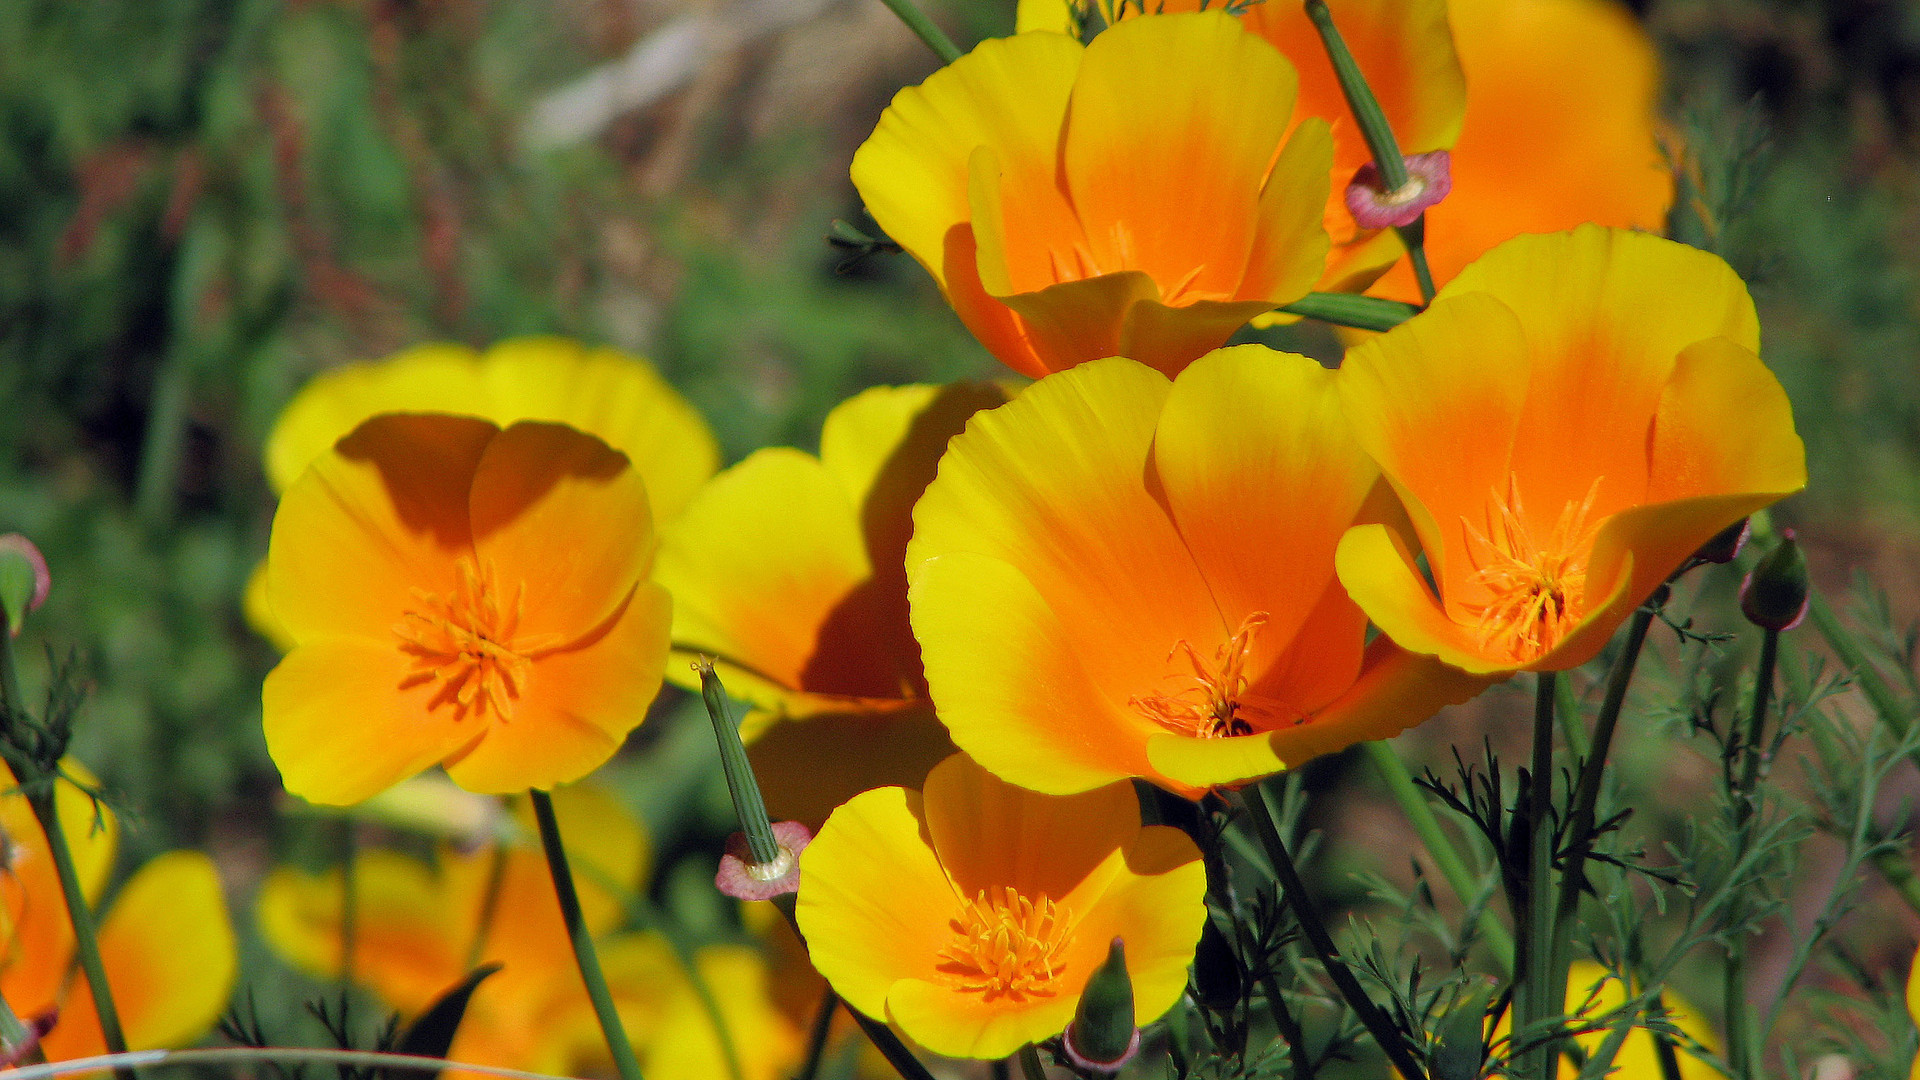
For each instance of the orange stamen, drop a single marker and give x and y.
(1006, 945)
(1538, 587)
(1213, 704)
(468, 642)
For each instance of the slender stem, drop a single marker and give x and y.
(1586, 794)
(1414, 236)
(999, 1069)
(817, 1038)
(879, 1034)
(1663, 1051)
(917, 21)
(1413, 802)
(243, 1055)
(1739, 1019)
(165, 439)
(349, 900)
(1389, 1037)
(1892, 712)
(1030, 1067)
(583, 953)
(1533, 1001)
(86, 937)
(1897, 868)
(1289, 1027)
(11, 701)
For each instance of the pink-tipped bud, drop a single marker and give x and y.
(1774, 594)
(1102, 1036)
(24, 579)
(743, 879)
(1429, 178)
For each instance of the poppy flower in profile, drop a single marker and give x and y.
(616, 397)
(166, 943)
(1572, 418)
(1562, 128)
(972, 914)
(419, 928)
(1138, 196)
(790, 570)
(461, 595)
(1120, 575)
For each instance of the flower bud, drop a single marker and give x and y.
(1102, 1036)
(1429, 179)
(1726, 544)
(23, 579)
(744, 879)
(1774, 594)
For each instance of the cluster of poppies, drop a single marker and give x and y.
(981, 611)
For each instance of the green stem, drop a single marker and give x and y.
(1739, 1019)
(1358, 312)
(1892, 713)
(582, 939)
(1372, 121)
(165, 439)
(1897, 868)
(1663, 1050)
(86, 938)
(1384, 1033)
(817, 1038)
(1288, 1026)
(243, 1055)
(1413, 803)
(1533, 1000)
(1586, 793)
(879, 1034)
(1030, 1067)
(917, 21)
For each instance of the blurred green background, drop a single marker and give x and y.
(205, 202)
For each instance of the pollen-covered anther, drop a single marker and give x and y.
(1213, 703)
(1007, 946)
(1537, 586)
(468, 641)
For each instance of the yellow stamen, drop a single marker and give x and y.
(1005, 945)
(1538, 587)
(1214, 703)
(468, 642)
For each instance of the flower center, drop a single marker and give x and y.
(1007, 946)
(1212, 702)
(1538, 584)
(466, 642)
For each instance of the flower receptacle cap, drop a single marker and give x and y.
(744, 879)
(1774, 594)
(1429, 179)
(24, 579)
(1102, 1036)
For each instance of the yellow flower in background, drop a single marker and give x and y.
(1140, 196)
(1592, 992)
(165, 942)
(1119, 575)
(461, 595)
(790, 570)
(1562, 128)
(1406, 51)
(606, 393)
(1572, 418)
(420, 928)
(971, 915)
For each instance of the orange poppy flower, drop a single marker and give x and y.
(606, 393)
(809, 618)
(166, 943)
(971, 916)
(1574, 416)
(1404, 48)
(463, 595)
(1562, 128)
(420, 929)
(1138, 196)
(1116, 575)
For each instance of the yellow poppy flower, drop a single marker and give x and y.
(1117, 575)
(1140, 196)
(463, 595)
(1562, 128)
(1592, 986)
(419, 929)
(971, 915)
(166, 943)
(606, 393)
(1406, 51)
(790, 569)
(1574, 416)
